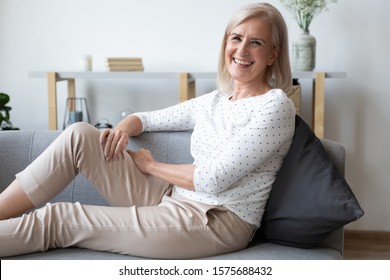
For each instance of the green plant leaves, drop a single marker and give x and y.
(4, 99)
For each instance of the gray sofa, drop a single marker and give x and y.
(19, 148)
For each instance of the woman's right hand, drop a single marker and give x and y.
(114, 142)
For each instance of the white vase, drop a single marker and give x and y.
(304, 52)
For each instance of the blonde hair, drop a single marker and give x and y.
(279, 73)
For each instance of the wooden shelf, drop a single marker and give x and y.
(62, 76)
(186, 87)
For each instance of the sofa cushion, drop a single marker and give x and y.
(310, 197)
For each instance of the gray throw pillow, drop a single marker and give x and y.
(310, 198)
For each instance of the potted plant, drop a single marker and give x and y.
(304, 46)
(5, 123)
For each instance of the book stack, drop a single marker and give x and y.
(125, 64)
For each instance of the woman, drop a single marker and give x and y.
(241, 134)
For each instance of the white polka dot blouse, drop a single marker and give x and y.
(237, 147)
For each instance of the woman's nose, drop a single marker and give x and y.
(243, 48)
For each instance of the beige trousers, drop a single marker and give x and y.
(146, 218)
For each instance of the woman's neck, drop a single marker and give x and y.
(244, 91)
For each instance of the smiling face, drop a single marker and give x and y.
(249, 51)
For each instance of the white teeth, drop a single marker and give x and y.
(242, 62)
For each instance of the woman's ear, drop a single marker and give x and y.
(274, 56)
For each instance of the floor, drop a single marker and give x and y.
(366, 247)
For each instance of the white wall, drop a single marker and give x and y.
(174, 35)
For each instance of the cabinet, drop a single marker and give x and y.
(186, 87)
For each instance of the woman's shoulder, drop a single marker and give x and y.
(214, 94)
(276, 100)
(278, 96)
(211, 97)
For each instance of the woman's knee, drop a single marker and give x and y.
(80, 135)
(82, 128)
(82, 131)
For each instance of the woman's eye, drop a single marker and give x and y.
(256, 43)
(236, 38)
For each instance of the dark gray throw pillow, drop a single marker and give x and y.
(310, 198)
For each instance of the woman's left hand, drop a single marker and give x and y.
(114, 141)
(143, 159)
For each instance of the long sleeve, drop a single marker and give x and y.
(179, 117)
